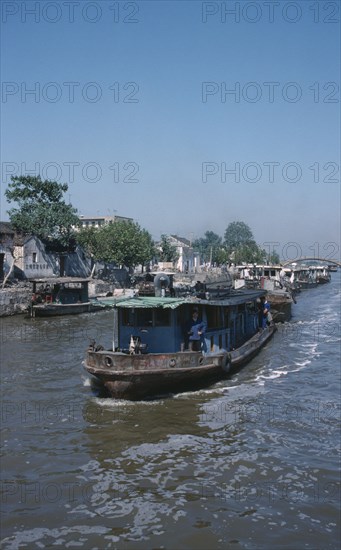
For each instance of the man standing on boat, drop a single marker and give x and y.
(266, 317)
(195, 331)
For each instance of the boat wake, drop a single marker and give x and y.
(86, 382)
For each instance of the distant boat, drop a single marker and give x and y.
(150, 354)
(332, 268)
(62, 296)
(276, 281)
(322, 275)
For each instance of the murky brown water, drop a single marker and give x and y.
(250, 463)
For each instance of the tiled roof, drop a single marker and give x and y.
(182, 240)
(7, 230)
(6, 227)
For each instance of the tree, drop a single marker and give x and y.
(41, 209)
(249, 253)
(88, 239)
(168, 251)
(210, 248)
(270, 259)
(274, 258)
(122, 243)
(240, 244)
(237, 234)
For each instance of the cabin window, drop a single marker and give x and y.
(34, 257)
(227, 317)
(128, 317)
(240, 324)
(251, 307)
(144, 317)
(241, 308)
(162, 317)
(213, 317)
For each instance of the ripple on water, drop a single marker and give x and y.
(251, 462)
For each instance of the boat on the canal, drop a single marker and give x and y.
(281, 297)
(152, 356)
(276, 281)
(322, 274)
(310, 276)
(333, 268)
(62, 296)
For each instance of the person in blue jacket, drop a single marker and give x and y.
(266, 312)
(195, 331)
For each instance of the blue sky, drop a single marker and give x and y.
(131, 109)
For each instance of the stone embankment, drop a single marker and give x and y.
(15, 299)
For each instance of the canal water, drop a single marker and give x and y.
(250, 463)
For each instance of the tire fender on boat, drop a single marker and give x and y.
(108, 361)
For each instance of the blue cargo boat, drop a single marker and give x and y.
(151, 354)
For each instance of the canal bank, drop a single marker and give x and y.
(16, 299)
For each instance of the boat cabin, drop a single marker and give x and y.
(322, 273)
(60, 290)
(158, 324)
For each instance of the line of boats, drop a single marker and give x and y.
(152, 353)
(282, 283)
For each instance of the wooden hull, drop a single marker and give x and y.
(305, 285)
(136, 377)
(280, 307)
(323, 280)
(52, 310)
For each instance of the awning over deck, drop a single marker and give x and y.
(237, 297)
(59, 280)
(146, 302)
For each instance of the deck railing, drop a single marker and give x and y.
(228, 338)
(218, 340)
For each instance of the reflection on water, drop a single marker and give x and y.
(251, 462)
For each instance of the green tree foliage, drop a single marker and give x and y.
(167, 251)
(270, 259)
(247, 253)
(41, 209)
(122, 243)
(210, 248)
(89, 239)
(241, 245)
(237, 234)
(274, 258)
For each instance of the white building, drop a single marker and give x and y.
(189, 260)
(99, 221)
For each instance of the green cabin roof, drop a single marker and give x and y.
(236, 298)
